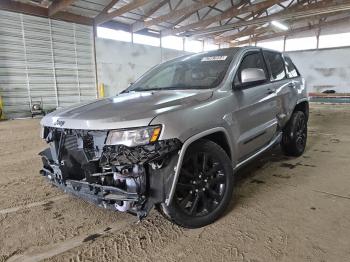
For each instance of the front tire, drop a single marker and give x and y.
(204, 188)
(295, 135)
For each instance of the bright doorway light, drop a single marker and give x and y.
(302, 43)
(210, 47)
(275, 45)
(172, 42)
(118, 35)
(193, 46)
(146, 40)
(334, 40)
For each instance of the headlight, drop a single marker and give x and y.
(42, 131)
(134, 137)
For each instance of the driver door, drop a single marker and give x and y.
(256, 106)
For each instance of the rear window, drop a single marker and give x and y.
(276, 64)
(291, 69)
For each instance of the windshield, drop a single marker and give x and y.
(201, 71)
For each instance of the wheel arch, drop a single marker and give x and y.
(302, 106)
(220, 138)
(218, 135)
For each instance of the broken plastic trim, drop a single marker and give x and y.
(95, 193)
(119, 155)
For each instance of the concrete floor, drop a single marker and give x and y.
(284, 209)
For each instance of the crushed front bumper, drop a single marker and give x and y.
(122, 178)
(103, 196)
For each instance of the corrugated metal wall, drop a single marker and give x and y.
(44, 59)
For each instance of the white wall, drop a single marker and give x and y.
(324, 69)
(119, 63)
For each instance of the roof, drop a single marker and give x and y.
(221, 21)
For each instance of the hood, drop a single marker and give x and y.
(126, 110)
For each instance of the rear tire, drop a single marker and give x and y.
(204, 188)
(295, 135)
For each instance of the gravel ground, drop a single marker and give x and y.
(283, 209)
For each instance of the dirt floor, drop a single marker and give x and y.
(283, 209)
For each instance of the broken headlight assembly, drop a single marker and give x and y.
(134, 137)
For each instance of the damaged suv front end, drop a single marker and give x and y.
(175, 137)
(123, 152)
(129, 152)
(126, 170)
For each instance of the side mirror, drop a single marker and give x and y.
(252, 76)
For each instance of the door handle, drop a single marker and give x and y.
(291, 85)
(270, 91)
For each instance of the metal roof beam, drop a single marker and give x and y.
(295, 31)
(156, 8)
(250, 30)
(175, 14)
(231, 12)
(58, 6)
(324, 7)
(120, 11)
(108, 7)
(18, 7)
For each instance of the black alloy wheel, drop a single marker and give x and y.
(201, 185)
(300, 133)
(204, 188)
(295, 135)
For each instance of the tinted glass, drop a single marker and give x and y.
(253, 60)
(291, 69)
(199, 71)
(276, 64)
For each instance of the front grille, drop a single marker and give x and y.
(71, 142)
(88, 142)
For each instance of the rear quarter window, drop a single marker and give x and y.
(291, 69)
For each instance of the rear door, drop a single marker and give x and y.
(294, 89)
(283, 83)
(256, 107)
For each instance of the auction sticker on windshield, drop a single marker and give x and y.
(214, 58)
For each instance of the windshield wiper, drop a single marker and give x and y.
(168, 88)
(142, 89)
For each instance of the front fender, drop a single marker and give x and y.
(182, 153)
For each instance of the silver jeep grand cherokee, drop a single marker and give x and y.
(174, 138)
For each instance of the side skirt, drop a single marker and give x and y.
(273, 142)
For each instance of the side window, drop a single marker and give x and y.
(276, 63)
(252, 60)
(291, 69)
